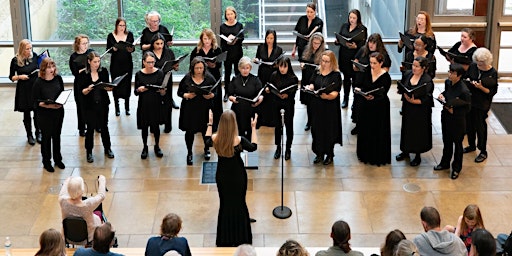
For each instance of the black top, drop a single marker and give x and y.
(457, 90)
(76, 66)
(489, 79)
(424, 93)
(194, 112)
(282, 81)
(147, 35)
(265, 71)
(23, 97)
(345, 31)
(234, 51)
(46, 90)
(302, 28)
(468, 53)
(432, 64)
(96, 95)
(210, 54)
(431, 42)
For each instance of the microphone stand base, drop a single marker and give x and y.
(282, 212)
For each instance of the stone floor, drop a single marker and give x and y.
(371, 199)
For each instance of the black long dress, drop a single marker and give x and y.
(247, 87)
(120, 64)
(416, 133)
(217, 101)
(235, 51)
(374, 137)
(167, 55)
(326, 116)
(23, 97)
(233, 223)
(265, 113)
(194, 112)
(150, 108)
(76, 63)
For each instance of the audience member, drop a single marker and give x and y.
(482, 244)
(435, 241)
(51, 243)
(469, 221)
(406, 248)
(292, 248)
(104, 239)
(392, 239)
(340, 234)
(168, 239)
(245, 250)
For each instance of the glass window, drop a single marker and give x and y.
(505, 51)
(507, 7)
(455, 7)
(6, 35)
(445, 40)
(248, 14)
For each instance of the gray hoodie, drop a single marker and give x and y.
(434, 243)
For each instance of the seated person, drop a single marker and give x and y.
(292, 248)
(51, 243)
(392, 239)
(104, 238)
(482, 244)
(72, 204)
(406, 248)
(340, 234)
(245, 250)
(168, 239)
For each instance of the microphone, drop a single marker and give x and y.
(282, 117)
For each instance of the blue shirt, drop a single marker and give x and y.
(91, 252)
(158, 246)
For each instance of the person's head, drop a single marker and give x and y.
(455, 72)
(230, 14)
(285, 66)
(467, 36)
(340, 234)
(24, 50)
(148, 59)
(329, 62)
(226, 132)
(316, 41)
(315, 47)
(472, 218)
(120, 26)
(171, 225)
(483, 58)
(245, 250)
(51, 243)
(93, 61)
(376, 60)
(157, 42)
(406, 248)
(354, 17)
(197, 67)
(392, 239)
(81, 43)
(292, 248)
(271, 38)
(47, 67)
(245, 66)
(419, 65)
(172, 253)
(422, 20)
(311, 10)
(420, 44)
(207, 39)
(76, 187)
(482, 243)
(103, 238)
(153, 20)
(430, 218)
(375, 44)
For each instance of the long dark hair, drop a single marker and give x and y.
(358, 14)
(377, 39)
(273, 32)
(90, 57)
(286, 62)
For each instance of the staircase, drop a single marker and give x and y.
(281, 15)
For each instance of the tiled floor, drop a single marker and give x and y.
(372, 199)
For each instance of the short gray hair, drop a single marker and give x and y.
(245, 250)
(483, 54)
(244, 61)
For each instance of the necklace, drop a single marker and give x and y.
(244, 82)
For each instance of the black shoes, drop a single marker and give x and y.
(109, 153)
(307, 127)
(207, 154)
(354, 131)
(174, 105)
(144, 153)
(39, 138)
(225, 99)
(328, 160)
(287, 154)
(317, 159)
(31, 140)
(81, 133)
(277, 154)
(189, 159)
(48, 167)
(468, 149)
(401, 156)
(344, 104)
(167, 129)
(60, 164)
(118, 113)
(158, 151)
(416, 161)
(440, 167)
(481, 157)
(127, 112)
(454, 174)
(252, 220)
(90, 158)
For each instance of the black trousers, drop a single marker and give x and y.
(228, 67)
(126, 103)
(453, 135)
(289, 112)
(189, 140)
(476, 126)
(50, 121)
(348, 76)
(105, 136)
(27, 122)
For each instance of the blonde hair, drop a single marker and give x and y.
(406, 248)
(210, 34)
(19, 56)
(292, 248)
(332, 58)
(76, 187)
(226, 132)
(309, 48)
(51, 243)
(76, 44)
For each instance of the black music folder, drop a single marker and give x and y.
(253, 100)
(164, 84)
(326, 90)
(457, 102)
(407, 65)
(305, 37)
(408, 42)
(124, 46)
(371, 92)
(268, 63)
(169, 65)
(115, 82)
(273, 89)
(361, 67)
(168, 37)
(231, 40)
(461, 59)
(203, 90)
(219, 58)
(342, 40)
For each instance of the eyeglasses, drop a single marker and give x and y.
(150, 62)
(154, 21)
(122, 25)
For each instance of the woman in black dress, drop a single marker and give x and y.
(233, 222)
(465, 47)
(77, 62)
(416, 133)
(50, 116)
(310, 61)
(95, 104)
(232, 29)
(163, 54)
(306, 25)
(325, 109)
(281, 79)
(244, 85)
(422, 27)
(354, 28)
(149, 110)
(267, 52)
(207, 47)
(374, 137)
(121, 63)
(22, 67)
(195, 104)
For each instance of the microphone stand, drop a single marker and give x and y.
(282, 212)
